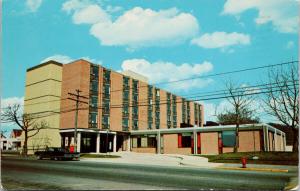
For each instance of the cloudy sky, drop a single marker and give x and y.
(165, 40)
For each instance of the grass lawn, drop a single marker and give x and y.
(88, 155)
(276, 158)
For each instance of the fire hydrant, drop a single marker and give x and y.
(244, 162)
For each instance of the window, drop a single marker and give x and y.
(126, 95)
(184, 140)
(144, 142)
(94, 86)
(106, 75)
(94, 101)
(151, 142)
(125, 109)
(105, 120)
(93, 117)
(149, 125)
(106, 89)
(125, 81)
(134, 142)
(106, 107)
(125, 122)
(135, 85)
(157, 92)
(135, 110)
(150, 101)
(94, 71)
(135, 124)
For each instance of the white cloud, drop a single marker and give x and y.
(160, 71)
(91, 14)
(221, 40)
(137, 27)
(11, 101)
(111, 9)
(283, 14)
(66, 59)
(33, 5)
(290, 45)
(59, 58)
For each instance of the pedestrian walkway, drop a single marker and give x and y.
(157, 159)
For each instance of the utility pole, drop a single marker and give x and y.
(76, 113)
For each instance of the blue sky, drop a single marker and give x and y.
(164, 40)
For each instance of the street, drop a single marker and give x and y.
(20, 173)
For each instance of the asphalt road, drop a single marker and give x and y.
(27, 174)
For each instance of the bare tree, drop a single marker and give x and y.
(241, 100)
(282, 98)
(27, 122)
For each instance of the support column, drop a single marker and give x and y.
(128, 143)
(115, 143)
(158, 142)
(195, 142)
(275, 140)
(265, 136)
(284, 142)
(98, 143)
(78, 141)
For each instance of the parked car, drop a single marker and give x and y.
(57, 153)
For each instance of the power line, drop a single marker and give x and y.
(202, 99)
(186, 79)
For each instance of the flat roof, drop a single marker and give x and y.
(44, 64)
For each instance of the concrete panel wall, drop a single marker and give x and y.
(209, 143)
(171, 145)
(116, 99)
(249, 141)
(42, 94)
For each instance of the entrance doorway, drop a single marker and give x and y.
(106, 142)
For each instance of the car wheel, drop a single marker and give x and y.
(38, 157)
(55, 158)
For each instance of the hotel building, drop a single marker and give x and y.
(122, 112)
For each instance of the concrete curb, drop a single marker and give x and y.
(253, 169)
(292, 184)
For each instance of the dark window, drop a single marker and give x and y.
(106, 89)
(135, 124)
(93, 117)
(125, 122)
(94, 71)
(94, 101)
(151, 142)
(125, 109)
(105, 120)
(186, 141)
(106, 75)
(94, 86)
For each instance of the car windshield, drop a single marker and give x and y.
(58, 149)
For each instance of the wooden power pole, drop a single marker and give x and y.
(77, 97)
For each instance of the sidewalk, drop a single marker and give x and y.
(157, 159)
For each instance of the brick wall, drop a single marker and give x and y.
(171, 145)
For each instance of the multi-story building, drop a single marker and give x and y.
(117, 104)
(121, 111)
